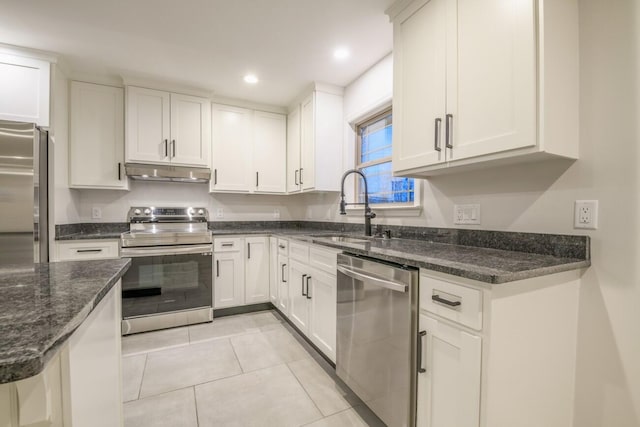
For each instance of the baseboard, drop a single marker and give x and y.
(242, 309)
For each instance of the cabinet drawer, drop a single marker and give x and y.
(283, 247)
(88, 249)
(451, 301)
(227, 244)
(323, 259)
(299, 251)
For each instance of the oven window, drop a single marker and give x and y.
(161, 284)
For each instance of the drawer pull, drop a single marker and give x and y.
(88, 250)
(281, 246)
(226, 245)
(441, 300)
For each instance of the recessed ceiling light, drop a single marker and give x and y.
(251, 79)
(341, 53)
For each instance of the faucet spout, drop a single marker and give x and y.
(368, 214)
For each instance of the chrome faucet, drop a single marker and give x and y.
(368, 214)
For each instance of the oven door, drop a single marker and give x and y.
(166, 279)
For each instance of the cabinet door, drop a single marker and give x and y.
(299, 309)
(190, 130)
(491, 76)
(283, 285)
(323, 301)
(419, 85)
(270, 152)
(231, 149)
(293, 151)
(273, 270)
(256, 270)
(228, 280)
(449, 389)
(24, 89)
(307, 143)
(148, 125)
(96, 152)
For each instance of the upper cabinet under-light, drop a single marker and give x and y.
(481, 83)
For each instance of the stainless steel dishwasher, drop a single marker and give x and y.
(376, 335)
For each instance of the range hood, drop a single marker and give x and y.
(167, 173)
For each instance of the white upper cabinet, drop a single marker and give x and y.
(190, 130)
(315, 148)
(24, 89)
(231, 148)
(248, 151)
(464, 94)
(165, 127)
(293, 151)
(270, 152)
(96, 149)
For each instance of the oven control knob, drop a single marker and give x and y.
(137, 212)
(147, 211)
(200, 211)
(191, 211)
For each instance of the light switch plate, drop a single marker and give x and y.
(466, 214)
(586, 214)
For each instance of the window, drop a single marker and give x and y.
(373, 157)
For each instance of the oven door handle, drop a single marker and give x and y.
(165, 250)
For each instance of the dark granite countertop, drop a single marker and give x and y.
(483, 264)
(41, 307)
(91, 236)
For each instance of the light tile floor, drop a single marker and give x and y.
(244, 370)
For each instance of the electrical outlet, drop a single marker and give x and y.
(96, 213)
(586, 214)
(466, 214)
(276, 213)
(219, 213)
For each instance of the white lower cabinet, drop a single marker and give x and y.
(298, 300)
(241, 271)
(273, 270)
(322, 293)
(313, 294)
(283, 285)
(79, 250)
(257, 270)
(228, 280)
(497, 355)
(449, 375)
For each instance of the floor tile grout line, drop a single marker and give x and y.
(195, 403)
(306, 392)
(236, 356)
(324, 418)
(144, 369)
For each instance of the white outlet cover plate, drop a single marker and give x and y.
(219, 213)
(466, 214)
(588, 221)
(96, 213)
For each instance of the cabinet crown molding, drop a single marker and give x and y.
(150, 83)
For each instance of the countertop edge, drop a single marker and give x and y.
(32, 366)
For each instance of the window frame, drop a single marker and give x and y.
(367, 120)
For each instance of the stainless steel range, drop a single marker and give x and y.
(170, 280)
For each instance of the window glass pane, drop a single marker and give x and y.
(375, 140)
(383, 188)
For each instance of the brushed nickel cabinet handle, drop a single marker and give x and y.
(421, 336)
(436, 139)
(449, 131)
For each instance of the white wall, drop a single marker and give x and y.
(236, 207)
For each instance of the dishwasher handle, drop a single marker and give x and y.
(356, 274)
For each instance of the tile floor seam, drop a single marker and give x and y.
(306, 392)
(236, 356)
(195, 404)
(144, 368)
(339, 412)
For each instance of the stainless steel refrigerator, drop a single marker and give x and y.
(24, 152)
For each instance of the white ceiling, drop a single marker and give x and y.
(208, 44)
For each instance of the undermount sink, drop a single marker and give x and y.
(341, 238)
